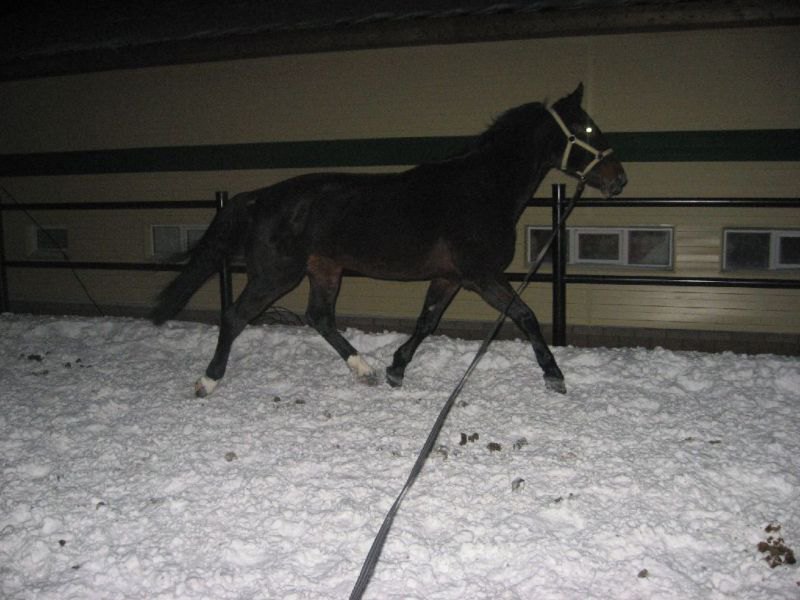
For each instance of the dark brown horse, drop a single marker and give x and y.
(451, 222)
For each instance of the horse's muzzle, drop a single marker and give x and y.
(613, 186)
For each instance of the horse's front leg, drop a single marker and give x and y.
(498, 293)
(440, 294)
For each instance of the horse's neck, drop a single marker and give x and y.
(519, 174)
(533, 185)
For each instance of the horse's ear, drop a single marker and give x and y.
(576, 97)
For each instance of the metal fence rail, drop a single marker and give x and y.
(559, 278)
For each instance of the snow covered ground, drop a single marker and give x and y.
(656, 476)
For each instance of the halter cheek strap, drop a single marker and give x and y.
(599, 155)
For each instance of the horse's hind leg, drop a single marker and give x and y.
(325, 277)
(499, 294)
(257, 295)
(440, 293)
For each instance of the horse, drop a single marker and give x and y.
(450, 222)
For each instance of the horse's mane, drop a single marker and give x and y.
(509, 125)
(506, 129)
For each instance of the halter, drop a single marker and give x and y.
(599, 155)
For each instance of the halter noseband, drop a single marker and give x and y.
(599, 155)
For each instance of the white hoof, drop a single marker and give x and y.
(362, 371)
(205, 386)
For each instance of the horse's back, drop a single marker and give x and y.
(377, 224)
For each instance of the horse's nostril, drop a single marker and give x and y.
(618, 183)
(614, 186)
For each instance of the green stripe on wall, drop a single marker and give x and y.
(268, 155)
(672, 146)
(708, 146)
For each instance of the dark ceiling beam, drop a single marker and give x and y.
(672, 16)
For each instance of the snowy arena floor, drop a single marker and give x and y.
(660, 475)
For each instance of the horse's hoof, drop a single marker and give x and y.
(205, 386)
(555, 385)
(363, 372)
(394, 379)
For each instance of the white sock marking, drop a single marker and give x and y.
(358, 366)
(207, 384)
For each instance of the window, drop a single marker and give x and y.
(48, 241)
(760, 249)
(597, 246)
(644, 247)
(537, 238)
(169, 240)
(650, 247)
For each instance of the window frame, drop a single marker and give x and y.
(529, 257)
(623, 258)
(773, 261)
(775, 252)
(575, 243)
(183, 228)
(669, 230)
(36, 251)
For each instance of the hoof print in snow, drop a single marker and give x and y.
(368, 379)
(520, 443)
(494, 447)
(517, 484)
(230, 456)
(473, 437)
(643, 574)
(560, 499)
(775, 549)
(443, 452)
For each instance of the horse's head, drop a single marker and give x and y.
(584, 152)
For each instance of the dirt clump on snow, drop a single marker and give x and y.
(775, 549)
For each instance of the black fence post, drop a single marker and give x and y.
(225, 275)
(559, 250)
(4, 302)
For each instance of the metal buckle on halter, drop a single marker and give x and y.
(572, 140)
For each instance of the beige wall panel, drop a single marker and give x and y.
(695, 80)
(170, 186)
(97, 235)
(119, 288)
(390, 92)
(726, 79)
(697, 180)
(706, 308)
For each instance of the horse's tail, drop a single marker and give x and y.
(222, 238)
